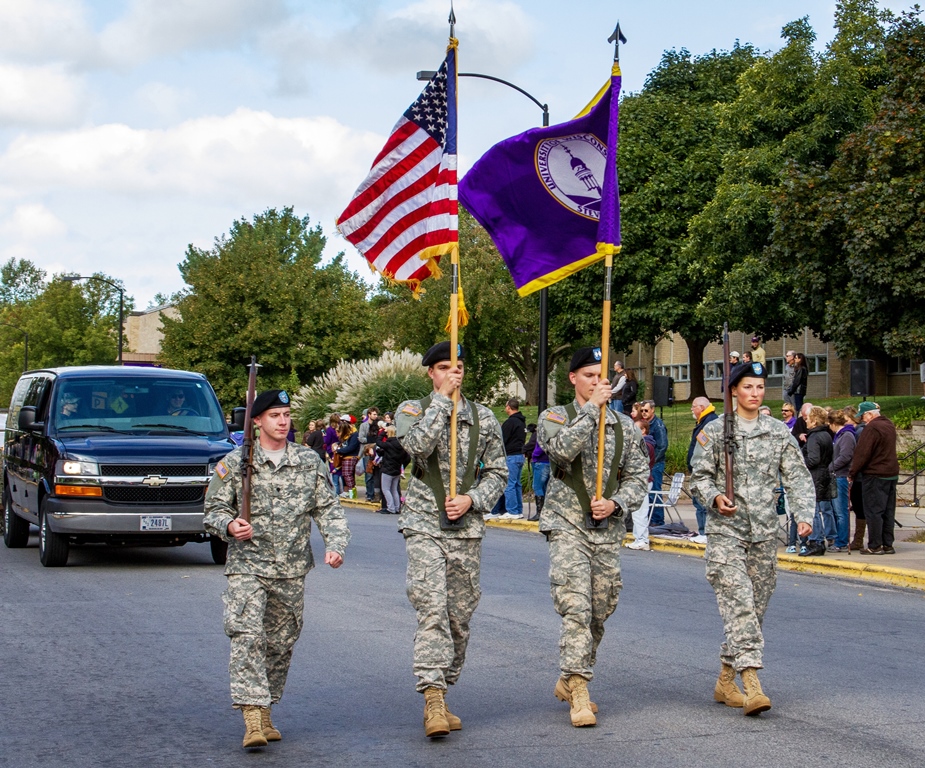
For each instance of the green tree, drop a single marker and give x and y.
(792, 110)
(261, 290)
(68, 324)
(20, 280)
(853, 229)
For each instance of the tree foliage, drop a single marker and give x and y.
(854, 228)
(261, 290)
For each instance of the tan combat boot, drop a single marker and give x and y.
(564, 693)
(451, 720)
(726, 689)
(435, 721)
(253, 733)
(755, 700)
(581, 713)
(266, 725)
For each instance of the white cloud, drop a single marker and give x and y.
(158, 27)
(44, 30)
(244, 155)
(40, 96)
(33, 222)
(498, 36)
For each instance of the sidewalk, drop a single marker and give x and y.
(904, 569)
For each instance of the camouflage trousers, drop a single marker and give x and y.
(743, 574)
(585, 583)
(443, 586)
(263, 618)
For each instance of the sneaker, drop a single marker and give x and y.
(641, 544)
(838, 549)
(511, 516)
(490, 516)
(804, 551)
(699, 539)
(889, 551)
(791, 550)
(874, 551)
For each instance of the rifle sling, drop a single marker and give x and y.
(574, 478)
(431, 476)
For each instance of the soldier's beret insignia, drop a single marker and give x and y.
(558, 418)
(411, 409)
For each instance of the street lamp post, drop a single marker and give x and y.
(119, 288)
(541, 362)
(25, 361)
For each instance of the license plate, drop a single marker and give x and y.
(152, 523)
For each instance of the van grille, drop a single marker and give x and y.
(167, 470)
(167, 495)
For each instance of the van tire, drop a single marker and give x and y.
(15, 529)
(53, 547)
(219, 550)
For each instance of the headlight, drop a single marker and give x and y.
(76, 467)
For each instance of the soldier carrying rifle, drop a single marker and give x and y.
(741, 551)
(269, 553)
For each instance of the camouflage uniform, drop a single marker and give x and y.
(584, 565)
(741, 550)
(266, 574)
(443, 566)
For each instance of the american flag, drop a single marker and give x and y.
(404, 216)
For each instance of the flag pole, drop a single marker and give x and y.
(616, 38)
(454, 311)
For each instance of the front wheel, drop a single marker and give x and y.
(53, 547)
(219, 550)
(15, 529)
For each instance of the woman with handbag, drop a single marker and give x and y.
(818, 454)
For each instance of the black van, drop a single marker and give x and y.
(110, 454)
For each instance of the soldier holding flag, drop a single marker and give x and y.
(741, 529)
(584, 527)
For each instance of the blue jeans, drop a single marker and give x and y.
(658, 514)
(842, 517)
(616, 405)
(540, 478)
(823, 522)
(701, 517)
(513, 493)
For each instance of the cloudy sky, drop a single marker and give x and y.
(131, 128)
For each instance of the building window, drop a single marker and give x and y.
(817, 363)
(713, 371)
(775, 366)
(677, 372)
(900, 365)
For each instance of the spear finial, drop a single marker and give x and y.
(452, 20)
(616, 38)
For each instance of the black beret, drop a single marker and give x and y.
(752, 370)
(440, 352)
(584, 357)
(272, 398)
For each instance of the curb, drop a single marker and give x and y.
(896, 577)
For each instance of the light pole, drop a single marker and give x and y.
(119, 288)
(541, 362)
(25, 362)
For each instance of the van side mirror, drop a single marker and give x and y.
(27, 422)
(237, 419)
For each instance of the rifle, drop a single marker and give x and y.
(728, 417)
(247, 453)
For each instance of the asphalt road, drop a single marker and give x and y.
(120, 660)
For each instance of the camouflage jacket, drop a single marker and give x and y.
(764, 458)
(284, 500)
(563, 441)
(423, 432)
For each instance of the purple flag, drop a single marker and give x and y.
(549, 197)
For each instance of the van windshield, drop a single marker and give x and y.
(133, 405)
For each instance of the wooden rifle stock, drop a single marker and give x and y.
(728, 417)
(247, 453)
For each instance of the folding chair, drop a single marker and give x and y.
(666, 500)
